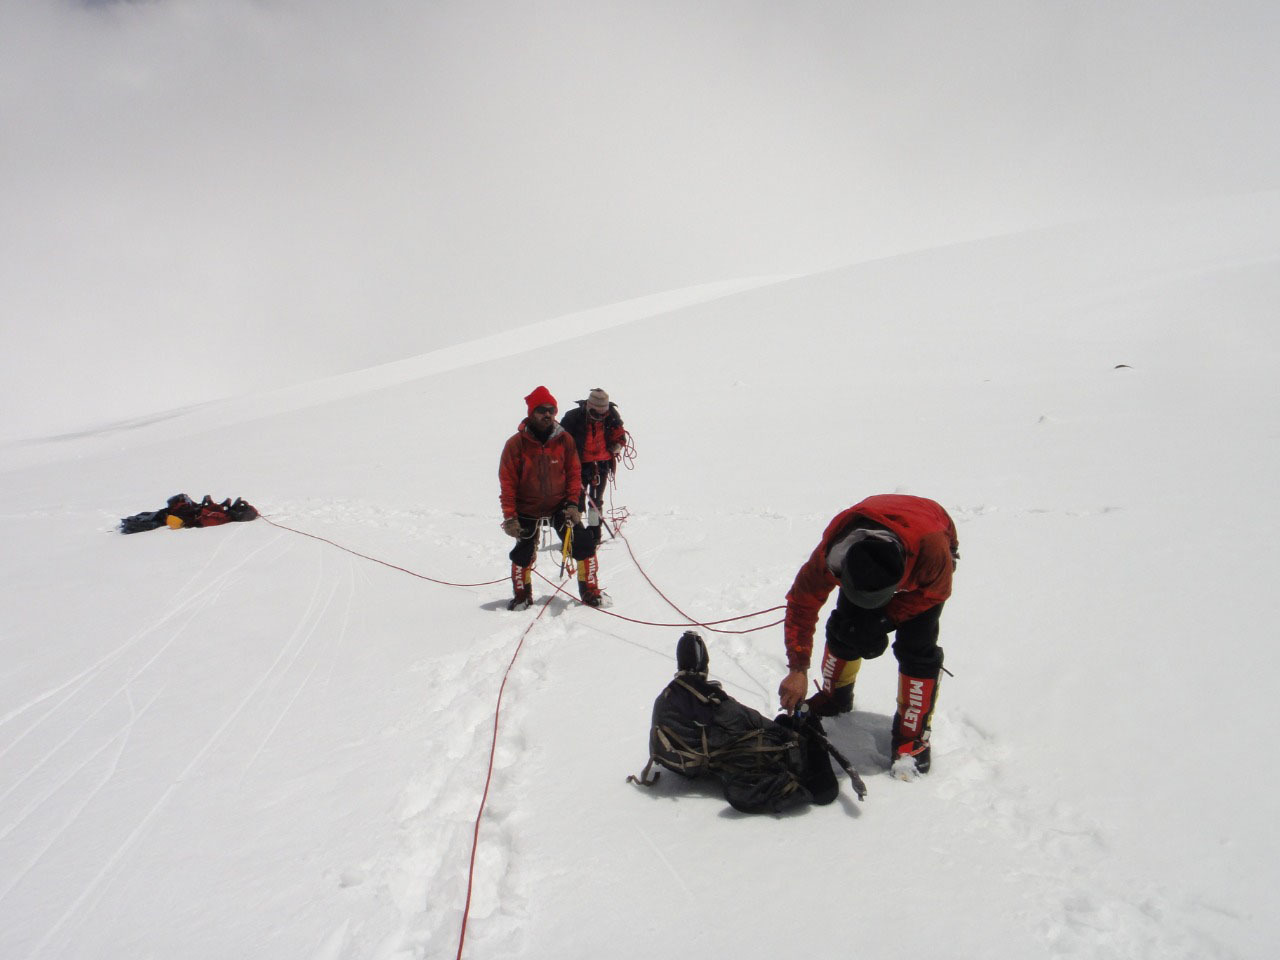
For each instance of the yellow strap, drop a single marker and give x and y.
(566, 549)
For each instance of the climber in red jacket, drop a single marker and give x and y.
(540, 476)
(892, 556)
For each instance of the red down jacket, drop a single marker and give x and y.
(538, 478)
(929, 538)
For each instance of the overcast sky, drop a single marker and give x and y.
(253, 192)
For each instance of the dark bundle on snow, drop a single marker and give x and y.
(182, 511)
(763, 765)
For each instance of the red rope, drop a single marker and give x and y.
(707, 624)
(617, 515)
(488, 779)
(365, 556)
(497, 712)
(690, 622)
(620, 515)
(693, 622)
(627, 455)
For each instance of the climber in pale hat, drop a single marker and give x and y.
(599, 436)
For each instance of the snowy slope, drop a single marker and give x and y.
(244, 742)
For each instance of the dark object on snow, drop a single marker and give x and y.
(691, 654)
(144, 521)
(182, 511)
(765, 766)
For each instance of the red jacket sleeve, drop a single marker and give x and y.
(509, 476)
(812, 586)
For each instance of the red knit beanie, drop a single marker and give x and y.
(540, 396)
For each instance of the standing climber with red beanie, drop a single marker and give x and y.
(892, 556)
(540, 476)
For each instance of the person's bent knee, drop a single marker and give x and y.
(858, 644)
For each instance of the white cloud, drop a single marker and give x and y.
(256, 192)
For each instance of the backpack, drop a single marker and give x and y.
(241, 512)
(181, 511)
(211, 513)
(763, 765)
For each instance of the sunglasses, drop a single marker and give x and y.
(545, 408)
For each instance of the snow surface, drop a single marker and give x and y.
(244, 742)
